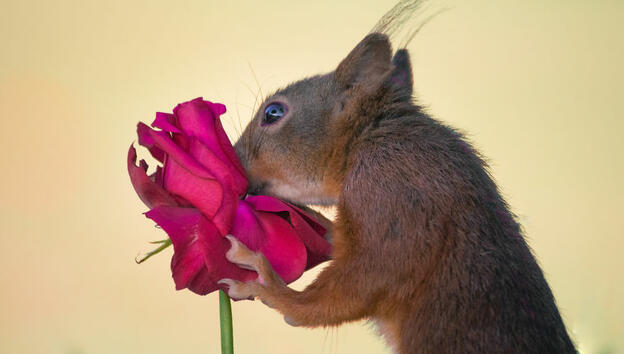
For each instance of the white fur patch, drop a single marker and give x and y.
(384, 330)
(300, 193)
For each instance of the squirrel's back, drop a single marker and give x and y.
(454, 257)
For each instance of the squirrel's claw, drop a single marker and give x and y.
(239, 290)
(242, 256)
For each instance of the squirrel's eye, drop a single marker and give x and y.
(273, 113)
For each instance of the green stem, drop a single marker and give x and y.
(225, 314)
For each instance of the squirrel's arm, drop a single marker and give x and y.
(367, 252)
(332, 298)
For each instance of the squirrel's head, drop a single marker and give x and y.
(296, 146)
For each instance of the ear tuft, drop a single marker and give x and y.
(401, 78)
(368, 64)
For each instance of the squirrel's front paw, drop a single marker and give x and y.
(238, 290)
(242, 256)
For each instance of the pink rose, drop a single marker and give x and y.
(196, 198)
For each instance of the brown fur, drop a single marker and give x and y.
(422, 241)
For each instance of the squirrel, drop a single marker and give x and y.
(423, 243)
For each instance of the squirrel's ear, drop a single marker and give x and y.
(401, 78)
(367, 65)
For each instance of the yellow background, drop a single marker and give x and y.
(536, 84)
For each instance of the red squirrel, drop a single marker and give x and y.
(423, 242)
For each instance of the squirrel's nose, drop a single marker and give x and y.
(256, 188)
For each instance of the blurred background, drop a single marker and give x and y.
(536, 84)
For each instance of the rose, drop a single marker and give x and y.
(196, 198)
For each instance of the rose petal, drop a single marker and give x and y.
(199, 250)
(146, 140)
(209, 188)
(151, 193)
(228, 150)
(219, 108)
(157, 176)
(166, 122)
(309, 231)
(196, 118)
(272, 236)
(143, 164)
(205, 194)
(163, 141)
(224, 216)
(200, 119)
